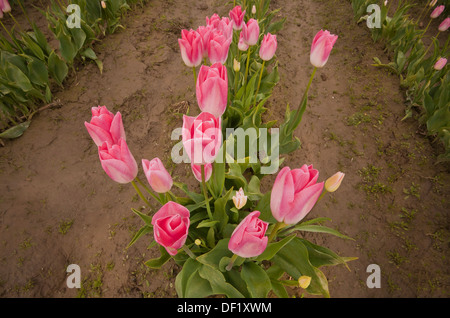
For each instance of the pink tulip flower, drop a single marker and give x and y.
(157, 176)
(237, 16)
(202, 137)
(268, 47)
(191, 47)
(212, 89)
(248, 238)
(440, 64)
(4, 7)
(294, 193)
(213, 21)
(196, 170)
(218, 47)
(437, 11)
(251, 32)
(105, 126)
(118, 162)
(242, 46)
(205, 33)
(321, 48)
(444, 25)
(171, 226)
(225, 27)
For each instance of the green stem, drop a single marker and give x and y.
(322, 195)
(14, 19)
(205, 192)
(12, 39)
(140, 193)
(259, 82)
(148, 190)
(172, 196)
(276, 228)
(195, 77)
(246, 68)
(232, 260)
(189, 252)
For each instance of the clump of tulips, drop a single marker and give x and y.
(231, 239)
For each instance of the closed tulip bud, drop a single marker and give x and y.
(437, 11)
(254, 10)
(240, 199)
(440, 64)
(386, 3)
(118, 162)
(333, 182)
(294, 193)
(198, 242)
(157, 176)
(197, 171)
(191, 47)
(321, 48)
(268, 47)
(212, 89)
(242, 46)
(103, 4)
(237, 16)
(251, 32)
(304, 281)
(444, 25)
(432, 3)
(105, 126)
(236, 65)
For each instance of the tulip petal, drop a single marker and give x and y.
(282, 194)
(303, 203)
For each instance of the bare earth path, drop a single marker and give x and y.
(58, 207)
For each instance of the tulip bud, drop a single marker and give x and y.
(239, 199)
(242, 46)
(103, 4)
(268, 47)
(117, 161)
(385, 3)
(321, 48)
(198, 242)
(444, 25)
(4, 7)
(236, 65)
(304, 281)
(432, 3)
(254, 9)
(437, 11)
(157, 175)
(440, 64)
(333, 182)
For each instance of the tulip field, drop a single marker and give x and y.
(225, 149)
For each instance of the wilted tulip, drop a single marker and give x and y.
(437, 11)
(105, 126)
(321, 48)
(212, 89)
(250, 32)
(444, 25)
(191, 47)
(248, 238)
(118, 162)
(171, 226)
(294, 193)
(157, 176)
(197, 171)
(237, 16)
(202, 137)
(439, 65)
(268, 47)
(333, 182)
(240, 199)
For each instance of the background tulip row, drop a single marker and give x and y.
(422, 69)
(230, 239)
(32, 69)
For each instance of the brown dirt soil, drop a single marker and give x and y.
(58, 207)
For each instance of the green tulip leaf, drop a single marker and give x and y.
(258, 283)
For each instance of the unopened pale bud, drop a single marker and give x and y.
(236, 65)
(432, 3)
(253, 9)
(103, 4)
(239, 199)
(304, 281)
(198, 242)
(333, 182)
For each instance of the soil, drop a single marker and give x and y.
(58, 207)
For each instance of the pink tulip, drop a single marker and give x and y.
(171, 226)
(205, 33)
(157, 175)
(237, 16)
(251, 32)
(444, 25)
(268, 47)
(294, 193)
(248, 238)
(105, 126)
(191, 47)
(212, 89)
(321, 48)
(225, 27)
(440, 64)
(218, 47)
(242, 46)
(4, 7)
(118, 162)
(437, 11)
(196, 170)
(202, 137)
(213, 21)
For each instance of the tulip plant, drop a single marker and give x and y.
(230, 239)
